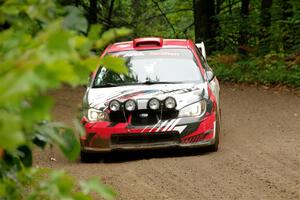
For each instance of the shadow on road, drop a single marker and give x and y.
(127, 156)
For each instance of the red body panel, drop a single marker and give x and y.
(104, 132)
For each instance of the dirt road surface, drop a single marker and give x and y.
(259, 155)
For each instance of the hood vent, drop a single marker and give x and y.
(148, 42)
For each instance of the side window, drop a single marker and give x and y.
(203, 61)
(206, 66)
(208, 70)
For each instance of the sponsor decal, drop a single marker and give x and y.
(143, 115)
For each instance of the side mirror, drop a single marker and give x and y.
(210, 75)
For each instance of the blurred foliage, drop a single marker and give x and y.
(42, 46)
(37, 183)
(146, 19)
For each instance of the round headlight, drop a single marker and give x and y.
(97, 115)
(114, 105)
(93, 115)
(154, 104)
(130, 105)
(170, 103)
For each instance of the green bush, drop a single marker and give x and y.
(269, 69)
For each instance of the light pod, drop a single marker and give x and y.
(170, 103)
(114, 105)
(154, 104)
(130, 105)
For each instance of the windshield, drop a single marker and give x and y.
(152, 66)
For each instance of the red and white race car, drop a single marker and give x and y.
(169, 98)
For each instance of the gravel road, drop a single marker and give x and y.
(259, 155)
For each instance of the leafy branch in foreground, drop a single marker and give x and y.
(43, 46)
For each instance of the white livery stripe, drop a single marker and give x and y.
(169, 124)
(162, 125)
(144, 129)
(174, 124)
(154, 126)
(179, 128)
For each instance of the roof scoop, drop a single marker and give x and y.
(148, 42)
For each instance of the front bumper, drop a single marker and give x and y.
(189, 132)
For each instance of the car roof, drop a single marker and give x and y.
(148, 43)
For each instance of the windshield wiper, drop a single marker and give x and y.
(106, 85)
(139, 83)
(159, 82)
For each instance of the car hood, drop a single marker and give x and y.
(184, 94)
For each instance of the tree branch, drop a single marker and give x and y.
(186, 29)
(167, 13)
(165, 16)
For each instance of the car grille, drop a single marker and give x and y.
(146, 117)
(142, 117)
(145, 138)
(119, 116)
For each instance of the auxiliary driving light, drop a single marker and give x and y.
(170, 103)
(114, 105)
(154, 104)
(130, 105)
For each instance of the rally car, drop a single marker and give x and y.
(168, 98)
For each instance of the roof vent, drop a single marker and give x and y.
(148, 42)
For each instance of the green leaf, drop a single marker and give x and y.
(115, 64)
(50, 131)
(94, 32)
(2, 189)
(78, 127)
(71, 148)
(10, 134)
(63, 182)
(81, 196)
(111, 34)
(95, 185)
(75, 19)
(37, 110)
(63, 71)
(58, 41)
(91, 63)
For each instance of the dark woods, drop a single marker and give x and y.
(253, 41)
(244, 26)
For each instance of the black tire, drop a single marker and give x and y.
(215, 146)
(86, 157)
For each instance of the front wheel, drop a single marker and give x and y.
(214, 147)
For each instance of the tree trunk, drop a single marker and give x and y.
(243, 38)
(216, 22)
(111, 8)
(205, 23)
(92, 15)
(288, 37)
(265, 21)
(230, 7)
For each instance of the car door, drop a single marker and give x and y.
(213, 83)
